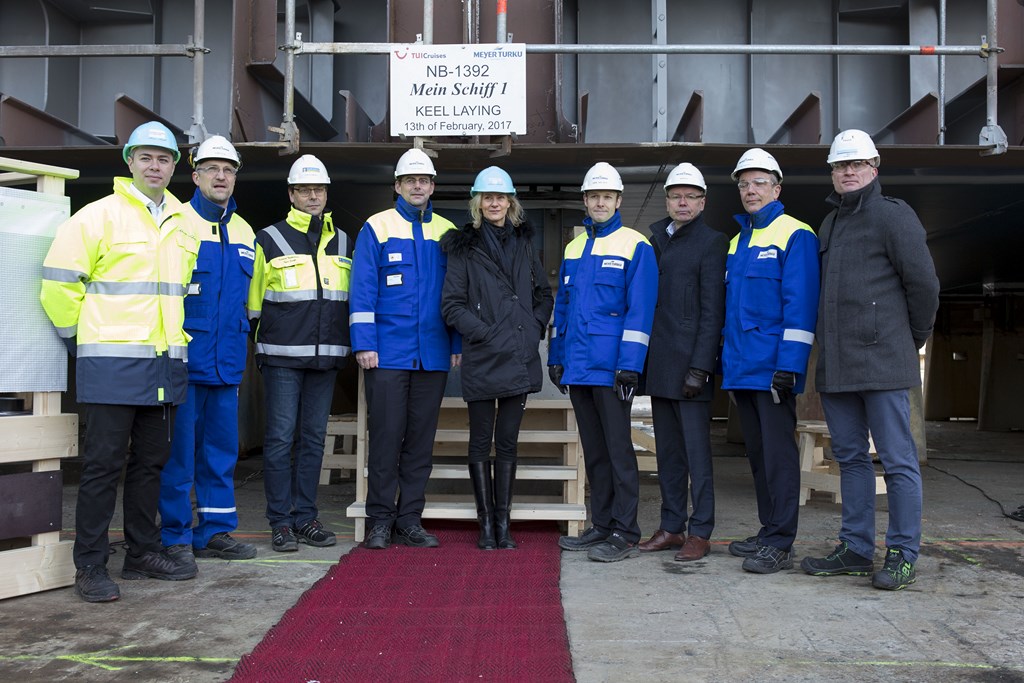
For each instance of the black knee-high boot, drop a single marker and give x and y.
(504, 476)
(480, 474)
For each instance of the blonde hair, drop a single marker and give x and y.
(515, 214)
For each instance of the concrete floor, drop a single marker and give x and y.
(647, 619)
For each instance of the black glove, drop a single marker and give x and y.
(555, 373)
(626, 383)
(782, 385)
(694, 383)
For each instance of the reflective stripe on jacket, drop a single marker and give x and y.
(301, 301)
(115, 280)
(215, 315)
(604, 309)
(397, 277)
(771, 299)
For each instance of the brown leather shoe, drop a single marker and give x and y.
(662, 540)
(694, 549)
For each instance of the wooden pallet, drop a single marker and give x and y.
(818, 472)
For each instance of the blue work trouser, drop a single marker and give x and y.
(886, 414)
(610, 460)
(682, 430)
(402, 407)
(114, 434)
(295, 400)
(203, 454)
(769, 434)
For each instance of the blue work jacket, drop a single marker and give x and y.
(771, 299)
(604, 309)
(397, 275)
(215, 314)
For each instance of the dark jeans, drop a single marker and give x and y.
(402, 407)
(682, 430)
(609, 457)
(295, 399)
(503, 427)
(769, 432)
(112, 433)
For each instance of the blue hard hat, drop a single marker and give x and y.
(492, 179)
(151, 134)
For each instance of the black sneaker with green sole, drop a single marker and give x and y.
(896, 574)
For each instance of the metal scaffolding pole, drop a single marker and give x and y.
(197, 132)
(992, 135)
(289, 132)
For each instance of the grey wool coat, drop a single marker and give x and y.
(879, 293)
(690, 312)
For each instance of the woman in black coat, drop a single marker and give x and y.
(496, 295)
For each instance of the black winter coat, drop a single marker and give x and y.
(501, 328)
(690, 313)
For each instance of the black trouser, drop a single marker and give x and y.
(610, 460)
(112, 432)
(682, 430)
(503, 427)
(402, 407)
(769, 432)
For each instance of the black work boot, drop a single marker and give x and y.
(480, 475)
(504, 476)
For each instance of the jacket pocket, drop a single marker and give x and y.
(867, 325)
(762, 296)
(604, 335)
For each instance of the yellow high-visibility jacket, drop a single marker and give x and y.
(114, 282)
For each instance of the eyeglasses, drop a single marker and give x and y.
(758, 183)
(217, 170)
(856, 165)
(688, 197)
(307, 192)
(412, 181)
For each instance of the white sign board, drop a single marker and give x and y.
(458, 89)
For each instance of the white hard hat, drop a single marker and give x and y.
(602, 176)
(414, 162)
(757, 158)
(686, 174)
(308, 170)
(851, 145)
(215, 147)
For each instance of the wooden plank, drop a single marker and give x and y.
(533, 472)
(467, 510)
(525, 436)
(38, 437)
(39, 568)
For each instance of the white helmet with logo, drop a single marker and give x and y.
(853, 145)
(602, 176)
(686, 174)
(757, 158)
(414, 162)
(215, 147)
(308, 170)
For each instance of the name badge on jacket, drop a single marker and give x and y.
(394, 280)
(613, 263)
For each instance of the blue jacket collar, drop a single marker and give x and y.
(764, 217)
(210, 211)
(602, 229)
(411, 213)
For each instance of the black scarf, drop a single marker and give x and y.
(499, 243)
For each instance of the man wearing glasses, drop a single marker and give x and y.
(204, 449)
(771, 305)
(879, 299)
(681, 361)
(299, 302)
(405, 350)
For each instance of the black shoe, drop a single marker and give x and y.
(182, 555)
(768, 560)
(744, 548)
(283, 540)
(379, 537)
(223, 547)
(314, 533)
(587, 540)
(614, 549)
(896, 574)
(152, 565)
(93, 584)
(416, 537)
(842, 560)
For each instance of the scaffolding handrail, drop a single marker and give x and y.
(146, 50)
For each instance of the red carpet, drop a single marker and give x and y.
(454, 613)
